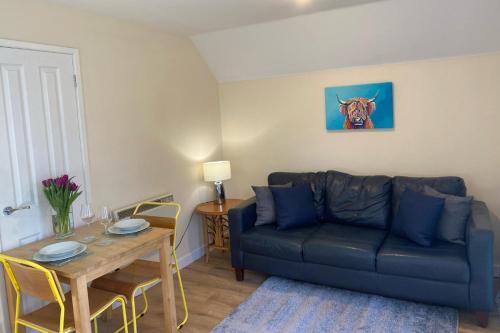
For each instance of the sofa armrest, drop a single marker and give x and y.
(480, 240)
(241, 219)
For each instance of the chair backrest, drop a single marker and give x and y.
(158, 221)
(32, 279)
(169, 222)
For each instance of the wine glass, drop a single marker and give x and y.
(87, 216)
(105, 217)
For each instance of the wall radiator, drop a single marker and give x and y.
(126, 212)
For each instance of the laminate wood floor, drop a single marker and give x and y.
(212, 293)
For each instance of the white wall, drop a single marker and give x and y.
(446, 123)
(374, 33)
(151, 104)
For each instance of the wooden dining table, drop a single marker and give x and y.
(101, 260)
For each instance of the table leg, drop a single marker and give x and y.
(220, 233)
(217, 236)
(11, 303)
(80, 298)
(167, 287)
(205, 237)
(225, 231)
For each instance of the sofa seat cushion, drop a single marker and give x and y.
(344, 246)
(442, 261)
(284, 244)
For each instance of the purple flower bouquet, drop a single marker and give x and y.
(61, 192)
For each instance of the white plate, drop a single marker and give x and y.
(41, 258)
(113, 230)
(59, 249)
(129, 224)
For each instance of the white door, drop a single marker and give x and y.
(40, 137)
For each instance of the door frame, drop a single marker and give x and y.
(14, 44)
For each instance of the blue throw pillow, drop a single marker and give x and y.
(294, 206)
(456, 211)
(265, 203)
(417, 217)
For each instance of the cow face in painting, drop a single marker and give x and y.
(357, 111)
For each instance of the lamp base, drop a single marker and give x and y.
(220, 196)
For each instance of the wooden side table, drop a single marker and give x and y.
(216, 224)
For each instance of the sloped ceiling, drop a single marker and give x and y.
(372, 33)
(188, 17)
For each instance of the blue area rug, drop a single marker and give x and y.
(282, 305)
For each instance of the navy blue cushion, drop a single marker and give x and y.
(344, 246)
(265, 240)
(446, 185)
(294, 206)
(456, 211)
(363, 201)
(442, 261)
(265, 204)
(315, 179)
(417, 217)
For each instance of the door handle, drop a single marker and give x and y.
(9, 210)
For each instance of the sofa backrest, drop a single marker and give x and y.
(369, 201)
(343, 198)
(363, 201)
(448, 185)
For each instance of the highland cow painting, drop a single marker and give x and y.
(364, 106)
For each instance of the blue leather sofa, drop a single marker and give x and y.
(353, 247)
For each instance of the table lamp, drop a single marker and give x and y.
(217, 172)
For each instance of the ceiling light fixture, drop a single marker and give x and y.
(302, 3)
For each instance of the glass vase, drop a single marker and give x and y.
(62, 225)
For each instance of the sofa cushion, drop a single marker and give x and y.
(363, 201)
(344, 246)
(315, 179)
(456, 211)
(446, 185)
(266, 213)
(267, 241)
(442, 262)
(294, 206)
(417, 217)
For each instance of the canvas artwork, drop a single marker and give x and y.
(364, 106)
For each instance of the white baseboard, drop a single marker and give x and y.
(185, 260)
(496, 270)
(191, 257)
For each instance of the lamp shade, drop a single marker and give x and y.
(216, 171)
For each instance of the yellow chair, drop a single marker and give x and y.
(143, 273)
(37, 281)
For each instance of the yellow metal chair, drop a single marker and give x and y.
(143, 273)
(37, 281)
